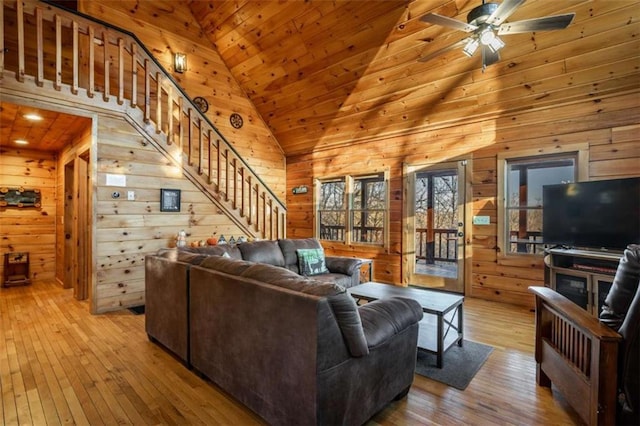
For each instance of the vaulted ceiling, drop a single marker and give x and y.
(330, 73)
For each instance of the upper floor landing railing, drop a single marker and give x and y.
(108, 67)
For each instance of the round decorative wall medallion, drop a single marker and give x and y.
(201, 103)
(236, 120)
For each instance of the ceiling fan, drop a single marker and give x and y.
(484, 21)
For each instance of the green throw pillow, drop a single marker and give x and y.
(311, 262)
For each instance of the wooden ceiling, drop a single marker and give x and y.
(53, 132)
(331, 73)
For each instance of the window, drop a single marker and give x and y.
(353, 209)
(524, 179)
(368, 209)
(332, 216)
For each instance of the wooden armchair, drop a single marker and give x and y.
(578, 354)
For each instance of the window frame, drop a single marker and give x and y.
(579, 151)
(350, 180)
(318, 197)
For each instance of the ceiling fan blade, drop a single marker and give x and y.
(449, 48)
(489, 57)
(548, 23)
(434, 18)
(506, 8)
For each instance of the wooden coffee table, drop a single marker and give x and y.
(442, 309)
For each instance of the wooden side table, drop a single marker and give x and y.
(364, 276)
(16, 269)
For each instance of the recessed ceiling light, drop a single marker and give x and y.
(33, 117)
(21, 142)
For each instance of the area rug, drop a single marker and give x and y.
(460, 364)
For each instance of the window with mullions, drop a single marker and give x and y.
(523, 198)
(353, 209)
(368, 209)
(332, 211)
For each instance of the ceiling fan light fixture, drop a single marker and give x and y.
(496, 44)
(471, 47)
(487, 36)
(486, 22)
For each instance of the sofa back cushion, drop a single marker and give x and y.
(345, 309)
(343, 306)
(289, 248)
(226, 264)
(624, 288)
(217, 250)
(285, 278)
(262, 252)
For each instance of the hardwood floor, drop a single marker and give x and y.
(61, 365)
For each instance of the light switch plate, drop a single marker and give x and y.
(131, 195)
(481, 220)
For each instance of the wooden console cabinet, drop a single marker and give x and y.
(583, 276)
(16, 269)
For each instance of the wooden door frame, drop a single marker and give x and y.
(78, 233)
(408, 220)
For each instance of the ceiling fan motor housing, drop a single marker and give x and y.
(479, 15)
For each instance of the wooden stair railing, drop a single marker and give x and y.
(110, 68)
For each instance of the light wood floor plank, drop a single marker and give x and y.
(59, 364)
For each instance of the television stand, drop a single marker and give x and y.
(583, 276)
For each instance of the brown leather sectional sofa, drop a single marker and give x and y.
(294, 349)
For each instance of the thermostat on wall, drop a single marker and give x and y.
(481, 220)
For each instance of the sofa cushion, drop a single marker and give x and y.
(624, 287)
(289, 247)
(284, 278)
(338, 279)
(217, 250)
(345, 309)
(227, 265)
(191, 258)
(269, 274)
(311, 262)
(262, 252)
(384, 318)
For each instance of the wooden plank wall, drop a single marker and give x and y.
(30, 229)
(610, 127)
(75, 147)
(166, 27)
(125, 231)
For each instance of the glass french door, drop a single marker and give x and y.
(434, 228)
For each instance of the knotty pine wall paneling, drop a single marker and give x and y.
(127, 230)
(67, 196)
(30, 229)
(610, 127)
(168, 26)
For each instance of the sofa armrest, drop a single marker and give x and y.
(343, 265)
(384, 318)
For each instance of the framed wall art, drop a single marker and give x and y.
(169, 200)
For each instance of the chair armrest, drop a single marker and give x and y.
(578, 354)
(384, 318)
(343, 265)
(574, 314)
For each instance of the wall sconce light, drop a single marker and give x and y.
(180, 62)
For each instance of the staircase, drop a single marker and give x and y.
(106, 68)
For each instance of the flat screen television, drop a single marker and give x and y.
(600, 215)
